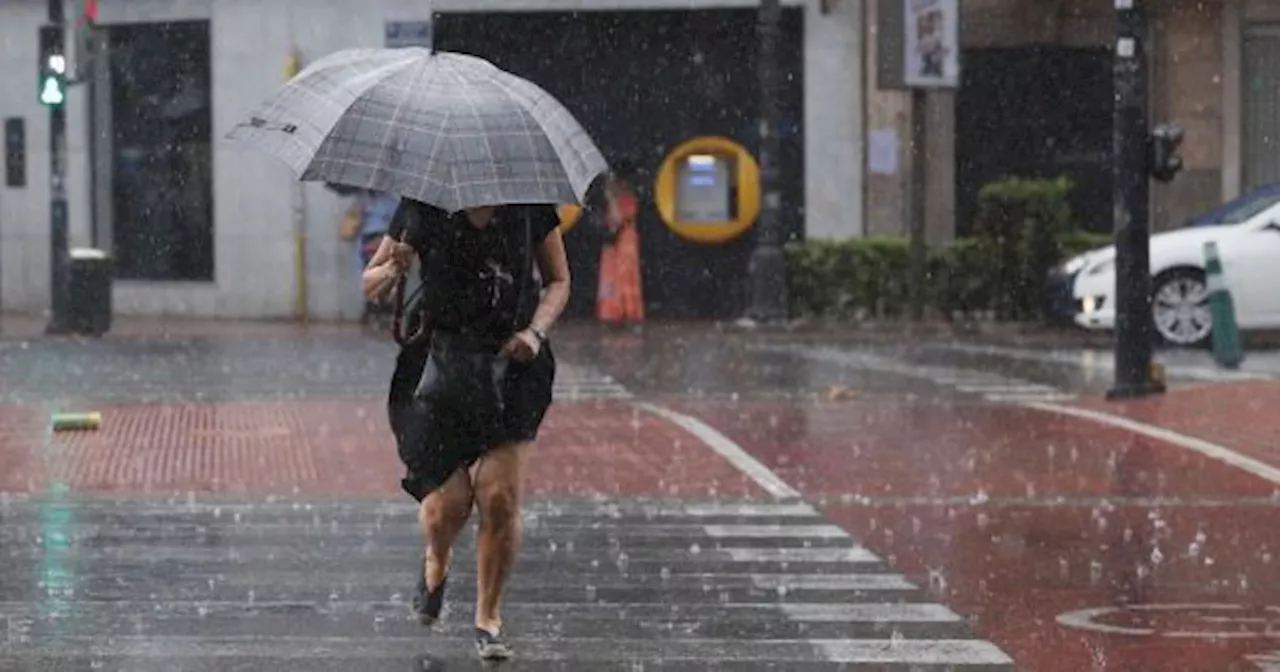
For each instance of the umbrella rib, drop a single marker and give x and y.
(488, 146)
(395, 116)
(509, 91)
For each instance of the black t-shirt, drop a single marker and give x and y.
(476, 281)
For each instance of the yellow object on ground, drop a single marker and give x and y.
(71, 422)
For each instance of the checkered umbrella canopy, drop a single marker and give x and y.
(446, 129)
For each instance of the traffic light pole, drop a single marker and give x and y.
(59, 255)
(59, 261)
(1131, 164)
(768, 266)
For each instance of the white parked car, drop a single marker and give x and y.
(1247, 233)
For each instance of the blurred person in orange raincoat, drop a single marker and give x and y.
(620, 297)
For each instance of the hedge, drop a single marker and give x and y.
(1022, 230)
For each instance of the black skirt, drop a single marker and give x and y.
(434, 443)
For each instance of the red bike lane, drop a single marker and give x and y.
(1070, 544)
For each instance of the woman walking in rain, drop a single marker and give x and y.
(495, 280)
(459, 140)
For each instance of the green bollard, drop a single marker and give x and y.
(1226, 335)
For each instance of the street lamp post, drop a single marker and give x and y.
(768, 267)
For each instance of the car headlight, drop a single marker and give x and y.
(1074, 265)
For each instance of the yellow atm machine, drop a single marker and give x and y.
(708, 190)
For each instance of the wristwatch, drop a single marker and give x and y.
(540, 334)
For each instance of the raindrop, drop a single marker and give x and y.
(552, 546)
(915, 525)
(591, 592)
(1095, 572)
(695, 549)
(897, 639)
(983, 521)
(1128, 534)
(665, 573)
(1064, 569)
(623, 562)
(1156, 556)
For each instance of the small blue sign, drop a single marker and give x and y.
(400, 34)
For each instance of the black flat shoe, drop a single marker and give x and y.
(491, 647)
(427, 603)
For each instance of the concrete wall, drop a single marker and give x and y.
(1187, 88)
(833, 120)
(24, 212)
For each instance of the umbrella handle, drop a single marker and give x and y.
(397, 317)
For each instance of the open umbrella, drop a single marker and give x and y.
(450, 130)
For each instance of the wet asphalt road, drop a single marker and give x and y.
(181, 581)
(664, 363)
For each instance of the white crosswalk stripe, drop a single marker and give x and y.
(578, 383)
(990, 386)
(603, 584)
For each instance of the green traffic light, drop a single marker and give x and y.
(53, 91)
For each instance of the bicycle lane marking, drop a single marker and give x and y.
(1207, 448)
(1249, 620)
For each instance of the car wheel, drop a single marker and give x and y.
(1180, 308)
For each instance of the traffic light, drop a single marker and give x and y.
(1164, 142)
(53, 67)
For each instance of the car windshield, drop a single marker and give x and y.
(1241, 209)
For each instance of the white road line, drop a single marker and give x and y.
(1028, 398)
(728, 449)
(775, 532)
(1212, 450)
(941, 652)
(854, 554)
(1007, 388)
(711, 510)
(905, 612)
(831, 582)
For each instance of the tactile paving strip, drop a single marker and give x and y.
(344, 448)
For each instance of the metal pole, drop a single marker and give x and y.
(918, 252)
(768, 267)
(1133, 331)
(59, 264)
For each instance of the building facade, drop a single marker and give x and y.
(200, 226)
(1035, 100)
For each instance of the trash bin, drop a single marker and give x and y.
(89, 292)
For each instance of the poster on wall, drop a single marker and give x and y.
(932, 43)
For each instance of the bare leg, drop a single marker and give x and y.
(497, 482)
(441, 517)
